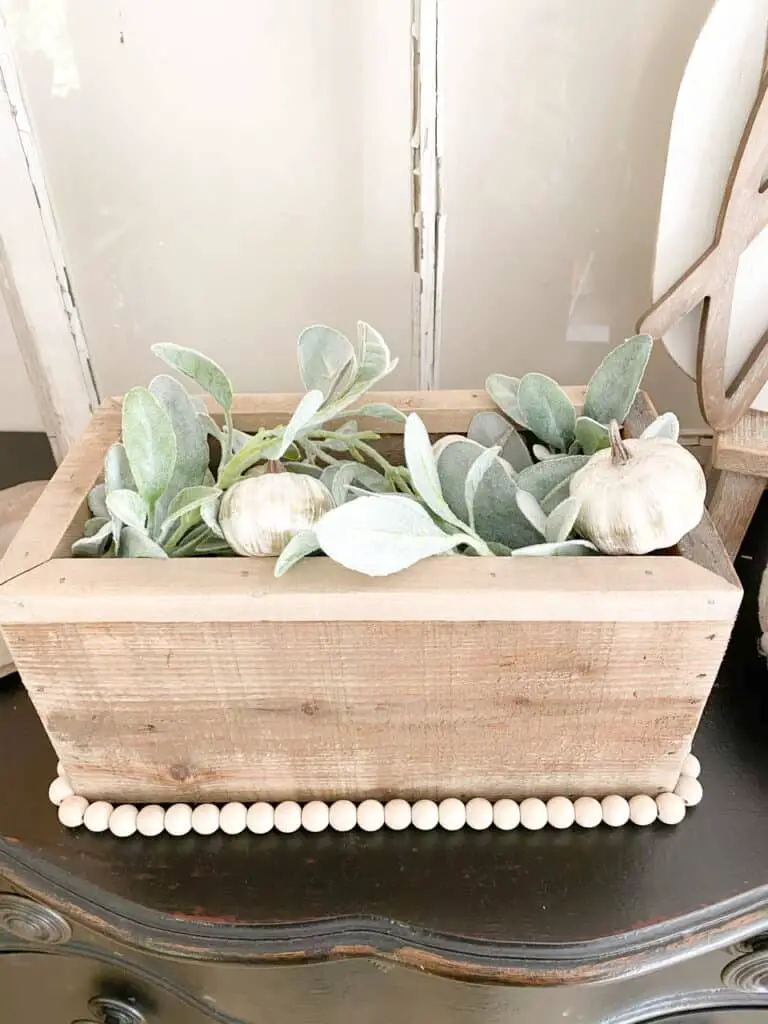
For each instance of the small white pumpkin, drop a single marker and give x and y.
(260, 514)
(639, 495)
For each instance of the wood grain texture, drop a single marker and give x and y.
(15, 504)
(734, 501)
(209, 679)
(743, 448)
(341, 709)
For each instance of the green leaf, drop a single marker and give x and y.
(498, 520)
(136, 544)
(531, 509)
(200, 368)
(192, 454)
(189, 499)
(375, 358)
(547, 410)
(561, 520)
(301, 419)
(541, 452)
(129, 507)
(614, 384)
(381, 411)
(327, 360)
(543, 476)
(97, 501)
(504, 391)
(666, 425)
(556, 496)
(150, 443)
(382, 534)
(591, 435)
(93, 545)
(475, 476)
(92, 526)
(298, 547)
(117, 470)
(209, 513)
(487, 428)
(422, 466)
(568, 547)
(340, 477)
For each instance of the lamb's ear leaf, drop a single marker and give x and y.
(298, 547)
(614, 384)
(547, 410)
(666, 425)
(150, 443)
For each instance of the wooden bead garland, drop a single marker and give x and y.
(451, 814)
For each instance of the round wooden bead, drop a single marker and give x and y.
(370, 815)
(560, 812)
(178, 820)
(642, 809)
(452, 814)
(397, 814)
(150, 820)
(689, 790)
(671, 808)
(424, 815)
(96, 817)
(232, 818)
(615, 810)
(260, 818)
(479, 813)
(587, 811)
(315, 816)
(342, 816)
(287, 816)
(72, 810)
(205, 819)
(691, 767)
(59, 790)
(122, 821)
(533, 813)
(506, 814)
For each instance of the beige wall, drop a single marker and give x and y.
(17, 403)
(224, 174)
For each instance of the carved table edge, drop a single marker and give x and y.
(612, 957)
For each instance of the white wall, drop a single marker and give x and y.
(17, 403)
(224, 174)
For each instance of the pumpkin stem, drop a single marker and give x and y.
(620, 454)
(275, 466)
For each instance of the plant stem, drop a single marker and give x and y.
(191, 541)
(620, 454)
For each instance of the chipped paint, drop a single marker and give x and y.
(428, 215)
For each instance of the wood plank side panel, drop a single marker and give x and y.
(222, 711)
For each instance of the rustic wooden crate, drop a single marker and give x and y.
(209, 679)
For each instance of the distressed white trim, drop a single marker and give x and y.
(33, 275)
(429, 223)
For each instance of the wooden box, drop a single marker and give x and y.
(210, 679)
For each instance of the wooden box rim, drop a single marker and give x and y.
(41, 583)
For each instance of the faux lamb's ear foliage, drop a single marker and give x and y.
(190, 499)
(504, 390)
(95, 542)
(136, 544)
(382, 534)
(129, 507)
(561, 520)
(381, 411)
(547, 410)
(556, 496)
(208, 375)
(666, 425)
(302, 417)
(568, 547)
(541, 452)
(150, 443)
(480, 467)
(327, 360)
(191, 445)
(615, 382)
(591, 435)
(498, 519)
(298, 547)
(531, 509)
(97, 501)
(490, 429)
(422, 466)
(543, 476)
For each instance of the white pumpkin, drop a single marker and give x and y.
(260, 514)
(639, 495)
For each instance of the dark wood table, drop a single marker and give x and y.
(369, 928)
